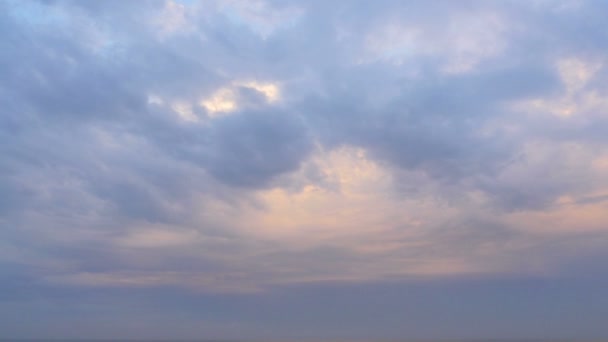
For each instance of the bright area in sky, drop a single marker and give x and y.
(303, 169)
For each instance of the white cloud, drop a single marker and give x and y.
(226, 100)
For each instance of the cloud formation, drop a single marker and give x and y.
(239, 146)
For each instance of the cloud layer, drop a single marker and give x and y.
(240, 146)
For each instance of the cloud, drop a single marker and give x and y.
(252, 148)
(237, 146)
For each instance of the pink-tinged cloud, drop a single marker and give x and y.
(261, 156)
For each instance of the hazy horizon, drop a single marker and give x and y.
(304, 170)
(298, 340)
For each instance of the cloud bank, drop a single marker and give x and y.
(240, 146)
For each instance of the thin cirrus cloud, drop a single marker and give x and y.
(237, 147)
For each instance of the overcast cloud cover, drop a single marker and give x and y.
(333, 169)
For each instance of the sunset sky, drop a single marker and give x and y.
(304, 169)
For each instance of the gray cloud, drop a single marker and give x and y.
(474, 139)
(249, 149)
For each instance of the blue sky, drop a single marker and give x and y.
(303, 169)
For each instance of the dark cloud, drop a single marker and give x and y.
(250, 149)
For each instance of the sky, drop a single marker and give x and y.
(304, 169)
